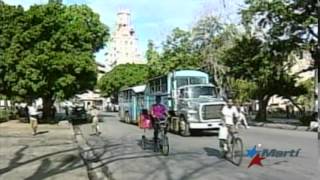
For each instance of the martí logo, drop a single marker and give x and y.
(259, 155)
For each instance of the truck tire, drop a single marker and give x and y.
(126, 117)
(184, 127)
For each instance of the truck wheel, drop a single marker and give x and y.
(126, 118)
(184, 127)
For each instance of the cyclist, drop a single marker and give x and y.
(158, 113)
(229, 112)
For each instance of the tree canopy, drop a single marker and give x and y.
(124, 75)
(51, 51)
(250, 60)
(291, 24)
(178, 53)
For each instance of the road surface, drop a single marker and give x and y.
(197, 157)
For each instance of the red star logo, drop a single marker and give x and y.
(256, 160)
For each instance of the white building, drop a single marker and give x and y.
(123, 47)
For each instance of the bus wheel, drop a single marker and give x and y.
(127, 118)
(183, 127)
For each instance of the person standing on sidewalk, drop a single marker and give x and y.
(33, 117)
(95, 120)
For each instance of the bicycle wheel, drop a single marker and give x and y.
(165, 145)
(143, 142)
(237, 151)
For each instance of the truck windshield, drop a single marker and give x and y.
(198, 91)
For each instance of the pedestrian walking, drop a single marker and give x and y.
(33, 115)
(242, 117)
(95, 120)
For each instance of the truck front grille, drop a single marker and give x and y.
(212, 111)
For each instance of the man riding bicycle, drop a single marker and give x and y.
(229, 112)
(158, 113)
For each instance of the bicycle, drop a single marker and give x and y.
(234, 146)
(162, 142)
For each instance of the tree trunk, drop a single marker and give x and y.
(301, 110)
(48, 113)
(262, 113)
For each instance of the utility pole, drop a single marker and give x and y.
(317, 62)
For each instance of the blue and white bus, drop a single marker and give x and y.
(193, 103)
(131, 103)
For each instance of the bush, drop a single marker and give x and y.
(305, 120)
(4, 115)
(7, 115)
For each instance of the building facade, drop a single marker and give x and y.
(123, 47)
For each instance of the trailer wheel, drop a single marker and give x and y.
(183, 127)
(126, 118)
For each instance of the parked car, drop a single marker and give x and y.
(79, 114)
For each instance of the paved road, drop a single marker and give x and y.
(197, 157)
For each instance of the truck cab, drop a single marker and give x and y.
(198, 108)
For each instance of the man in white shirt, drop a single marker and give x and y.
(229, 112)
(95, 120)
(33, 116)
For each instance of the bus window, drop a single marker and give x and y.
(152, 86)
(181, 93)
(164, 84)
(182, 81)
(197, 80)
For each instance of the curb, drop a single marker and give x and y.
(95, 169)
(280, 126)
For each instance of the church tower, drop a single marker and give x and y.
(123, 46)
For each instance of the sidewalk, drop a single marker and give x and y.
(280, 123)
(51, 154)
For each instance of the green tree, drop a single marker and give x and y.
(211, 38)
(290, 23)
(242, 90)
(151, 53)
(306, 101)
(10, 20)
(250, 60)
(178, 53)
(54, 52)
(124, 75)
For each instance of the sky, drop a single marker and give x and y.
(153, 19)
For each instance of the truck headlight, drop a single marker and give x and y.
(192, 111)
(192, 115)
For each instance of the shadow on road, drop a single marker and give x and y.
(204, 133)
(45, 169)
(42, 132)
(212, 152)
(149, 144)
